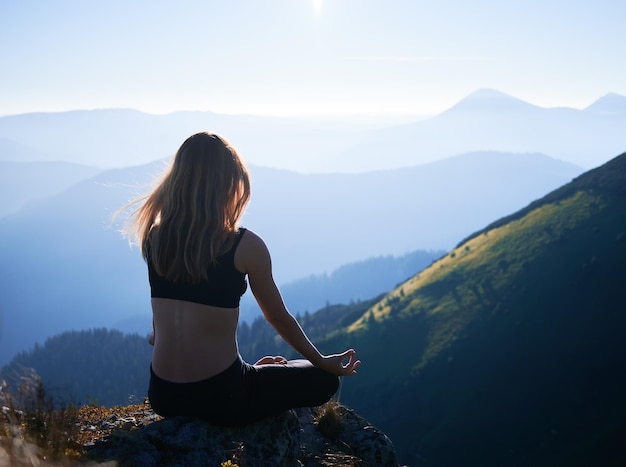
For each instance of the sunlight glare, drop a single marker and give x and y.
(317, 7)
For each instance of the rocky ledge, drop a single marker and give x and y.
(330, 435)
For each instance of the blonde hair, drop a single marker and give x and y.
(191, 216)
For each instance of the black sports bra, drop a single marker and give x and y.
(224, 285)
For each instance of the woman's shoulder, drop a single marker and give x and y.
(252, 251)
(250, 238)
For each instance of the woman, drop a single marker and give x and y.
(198, 259)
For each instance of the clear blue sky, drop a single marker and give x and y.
(299, 57)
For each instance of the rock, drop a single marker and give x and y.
(332, 435)
(337, 435)
(182, 441)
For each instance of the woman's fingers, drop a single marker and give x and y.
(349, 368)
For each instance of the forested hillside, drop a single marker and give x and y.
(110, 368)
(509, 350)
(96, 366)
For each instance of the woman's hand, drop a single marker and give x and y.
(271, 360)
(335, 363)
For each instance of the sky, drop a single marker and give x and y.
(306, 57)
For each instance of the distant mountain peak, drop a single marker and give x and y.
(487, 99)
(611, 103)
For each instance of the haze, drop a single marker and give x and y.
(306, 57)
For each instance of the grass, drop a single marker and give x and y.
(33, 428)
(328, 420)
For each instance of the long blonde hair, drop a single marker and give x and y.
(191, 216)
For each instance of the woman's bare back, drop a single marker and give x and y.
(192, 341)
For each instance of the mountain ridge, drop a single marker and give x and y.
(493, 121)
(483, 120)
(479, 94)
(594, 177)
(489, 100)
(611, 103)
(474, 337)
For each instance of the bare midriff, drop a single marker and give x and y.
(192, 341)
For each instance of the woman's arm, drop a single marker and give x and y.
(253, 258)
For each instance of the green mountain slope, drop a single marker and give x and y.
(509, 350)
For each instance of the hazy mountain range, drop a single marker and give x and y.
(484, 120)
(491, 120)
(63, 266)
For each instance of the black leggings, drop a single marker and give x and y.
(244, 393)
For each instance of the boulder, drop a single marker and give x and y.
(330, 435)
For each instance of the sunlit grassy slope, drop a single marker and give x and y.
(471, 278)
(515, 336)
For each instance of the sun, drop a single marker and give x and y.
(317, 7)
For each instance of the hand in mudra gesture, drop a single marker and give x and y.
(335, 363)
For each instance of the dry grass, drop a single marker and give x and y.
(328, 420)
(33, 426)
